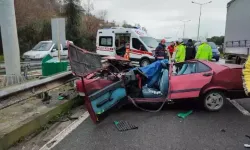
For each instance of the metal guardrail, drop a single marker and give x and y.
(15, 94)
(18, 93)
(24, 67)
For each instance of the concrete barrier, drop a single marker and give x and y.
(17, 129)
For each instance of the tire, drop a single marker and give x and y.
(238, 60)
(144, 62)
(229, 57)
(214, 100)
(217, 59)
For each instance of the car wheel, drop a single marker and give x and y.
(144, 62)
(214, 100)
(217, 59)
(238, 60)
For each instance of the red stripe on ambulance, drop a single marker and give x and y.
(139, 52)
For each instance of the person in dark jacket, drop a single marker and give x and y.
(160, 50)
(190, 50)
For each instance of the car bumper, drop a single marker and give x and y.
(216, 56)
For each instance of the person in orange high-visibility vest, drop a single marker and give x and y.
(126, 56)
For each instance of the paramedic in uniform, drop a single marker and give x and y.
(160, 50)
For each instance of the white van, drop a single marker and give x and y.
(44, 48)
(112, 41)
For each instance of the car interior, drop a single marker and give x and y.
(142, 83)
(120, 43)
(158, 85)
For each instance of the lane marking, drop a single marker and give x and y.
(239, 107)
(59, 137)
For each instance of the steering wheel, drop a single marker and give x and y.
(141, 73)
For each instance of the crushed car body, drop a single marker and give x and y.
(161, 81)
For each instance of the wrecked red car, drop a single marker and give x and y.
(162, 81)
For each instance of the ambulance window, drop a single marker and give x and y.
(138, 45)
(106, 41)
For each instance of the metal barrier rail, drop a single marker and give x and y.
(18, 93)
(15, 94)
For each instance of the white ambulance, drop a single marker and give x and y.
(112, 42)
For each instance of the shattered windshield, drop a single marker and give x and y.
(150, 42)
(42, 46)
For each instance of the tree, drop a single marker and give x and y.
(89, 7)
(30, 11)
(73, 13)
(218, 40)
(1, 44)
(126, 25)
(102, 14)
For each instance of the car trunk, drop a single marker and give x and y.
(236, 81)
(236, 78)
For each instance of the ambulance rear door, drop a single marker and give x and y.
(105, 42)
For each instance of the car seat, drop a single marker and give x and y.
(183, 69)
(156, 78)
(163, 86)
(187, 69)
(190, 69)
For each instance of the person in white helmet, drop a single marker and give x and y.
(204, 51)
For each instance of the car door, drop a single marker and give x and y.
(54, 51)
(99, 103)
(84, 63)
(64, 51)
(189, 80)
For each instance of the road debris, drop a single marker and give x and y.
(124, 125)
(45, 97)
(184, 115)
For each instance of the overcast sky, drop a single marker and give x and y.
(162, 17)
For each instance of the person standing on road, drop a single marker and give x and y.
(204, 52)
(190, 50)
(171, 49)
(180, 52)
(160, 50)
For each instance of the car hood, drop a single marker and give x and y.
(34, 53)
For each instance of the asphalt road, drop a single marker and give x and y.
(201, 130)
(163, 130)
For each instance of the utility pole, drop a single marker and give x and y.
(184, 28)
(201, 4)
(10, 42)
